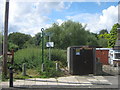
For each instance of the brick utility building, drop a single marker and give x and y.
(102, 55)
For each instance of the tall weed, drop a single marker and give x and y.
(32, 57)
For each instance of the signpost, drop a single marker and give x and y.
(49, 45)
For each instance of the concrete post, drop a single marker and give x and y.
(42, 67)
(57, 67)
(24, 69)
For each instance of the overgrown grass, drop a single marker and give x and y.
(32, 58)
(3, 78)
(50, 70)
(59, 55)
(31, 73)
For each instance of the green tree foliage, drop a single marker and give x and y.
(113, 35)
(56, 31)
(30, 43)
(37, 39)
(12, 46)
(71, 34)
(67, 34)
(102, 42)
(18, 39)
(103, 38)
(103, 31)
(92, 39)
(34, 41)
(108, 39)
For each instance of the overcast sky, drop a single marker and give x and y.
(30, 17)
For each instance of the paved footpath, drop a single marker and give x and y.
(69, 81)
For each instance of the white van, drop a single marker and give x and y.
(114, 57)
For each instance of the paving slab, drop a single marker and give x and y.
(63, 81)
(83, 80)
(76, 81)
(19, 82)
(52, 81)
(99, 77)
(102, 80)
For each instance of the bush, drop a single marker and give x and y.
(50, 70)
(59, 55)
(12, 46)
(32, 58)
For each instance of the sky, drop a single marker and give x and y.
(30, 17)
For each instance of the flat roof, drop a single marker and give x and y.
(104, 48)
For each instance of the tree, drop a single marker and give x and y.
(103, 39)
(70, 34)
(113, 35)
(56, 31)
(29, 43)
(33, 41)
(102, 42)
(73, 34)
(18, 39)
(37, 39)
(12, 46)
(92, 39)
(103, 31)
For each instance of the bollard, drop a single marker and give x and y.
(24, 69)
(57, 66)
(11, 77)
(42, 68)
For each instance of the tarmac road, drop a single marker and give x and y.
(115, 80)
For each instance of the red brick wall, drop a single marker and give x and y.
(103, 55)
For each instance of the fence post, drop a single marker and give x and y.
(24, 69)
(57, 66)
(43, 67)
